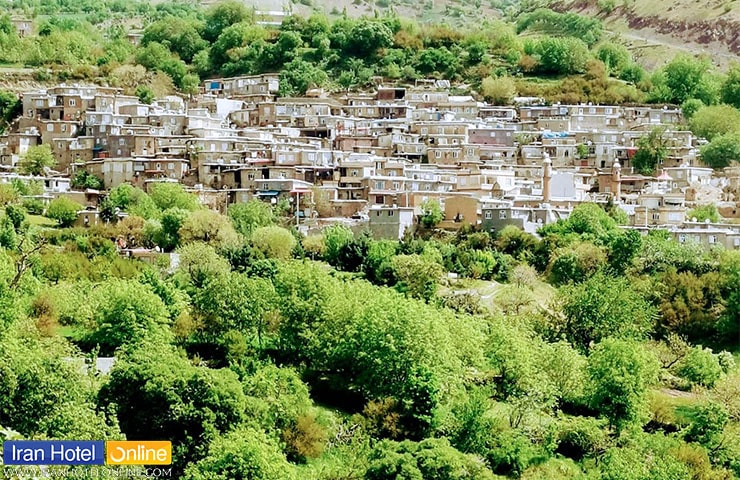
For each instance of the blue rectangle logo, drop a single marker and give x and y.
(53, 452)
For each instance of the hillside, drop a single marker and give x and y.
(454, 12)
(657, 30)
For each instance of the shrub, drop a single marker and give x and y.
(63, 210)
(700, 367)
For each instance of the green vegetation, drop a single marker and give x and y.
(363, 363)
(563, 57)
(587, 351)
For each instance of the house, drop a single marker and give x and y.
(390, 222)
(495, 215)
(709, 235)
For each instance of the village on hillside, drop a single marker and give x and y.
(371, 159)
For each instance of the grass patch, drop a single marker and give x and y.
(40, 221)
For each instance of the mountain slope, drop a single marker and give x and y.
(660, 28)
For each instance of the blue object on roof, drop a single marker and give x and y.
(269, 193)
(554, 134)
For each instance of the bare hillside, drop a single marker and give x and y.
(658, 29)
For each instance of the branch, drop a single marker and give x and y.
(21, 264)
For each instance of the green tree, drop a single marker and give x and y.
(36, 160)
(240, 43)
(685, 77)
(166, 231)
(700, 367)
(708, 422)
(576, 263)
(336, 239)
(274, 242)
(157, 393)
(245, 453)
(127, 314)
(730, 89)
(715, 120)
(588, 220)
(246, 217)
(620, 373)
(498, 90)
(200, 263)
(559, 55)
(431, 458)
(616, 57)
(367, 37)
(431, 213)
(63, 210)
(16, 214)
(723, 151)
(44, 395)
(190, 84)
(299, 75)
(145, 94)
(172, 195)
(652, 150)
(209, 227)
(418, 276)
(690, 107)
(603, 307)
(705, 212)
(82, 179)
(223, 15)
(235, 304)
(10, 108)
(180, 35)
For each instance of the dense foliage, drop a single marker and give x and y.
(258, 362)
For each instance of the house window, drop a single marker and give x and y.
(437, 154)
(502, 214)
(353, 173)
(264, 186)
(39, 103)
(682, 239)
(50, 127)
(390, 213)
(424, 131)
(712, 239)
(121, 141)
(489, 215)
(72, 102)
(170, 166)
(470, 152)
(395, 186)
(455, 154)
(656, 216)
(379, 199)
(379, 185)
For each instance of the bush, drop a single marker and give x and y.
(274, 242)
(63, 210)
(700, 367)
(578, 437)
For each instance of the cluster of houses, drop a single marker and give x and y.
(374, 158)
